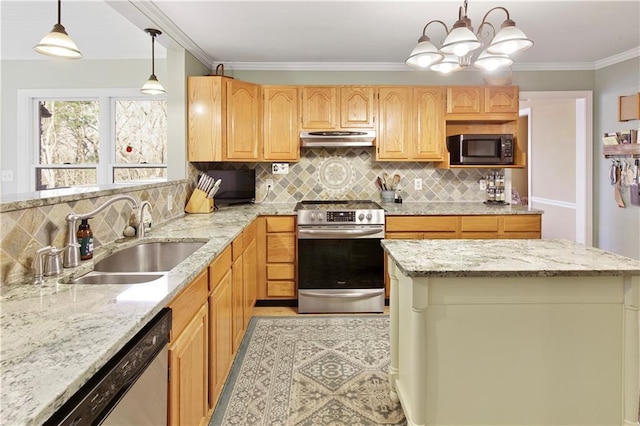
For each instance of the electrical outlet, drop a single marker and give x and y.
(7, 175)
(483, 184)
(269, 183)
(417, 184)
(280, 168)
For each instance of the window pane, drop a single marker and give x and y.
(69, 132)
(61, 178)
(132, 174)
(141, 132)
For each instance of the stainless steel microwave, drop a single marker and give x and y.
(470, 149)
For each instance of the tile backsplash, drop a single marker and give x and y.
(350, 173)
(26, 229)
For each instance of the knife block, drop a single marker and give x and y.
(199, 203)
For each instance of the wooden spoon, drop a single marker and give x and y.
(396, 180)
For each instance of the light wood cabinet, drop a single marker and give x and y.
(220, 324)
(394, 126)
(223, 119)
(249, 271)
(276, 257)
(477, 100)
(446, 227)
(188, 354)
(281, 139)
(357, 107)
(237, 278)
(411, 125)
(338, 107)
(428, 112)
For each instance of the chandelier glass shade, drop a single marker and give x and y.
(460, 44)
(153, 86)
(57, 43)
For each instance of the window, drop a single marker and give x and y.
(88, 140)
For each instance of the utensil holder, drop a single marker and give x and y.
(199, 203)
(388, 196)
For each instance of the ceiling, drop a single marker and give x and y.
(326, 34)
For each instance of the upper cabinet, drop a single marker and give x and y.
(338, 107)
(483, 110)
(280, 123)
(224, 119)
(411, 125)
(482, 102)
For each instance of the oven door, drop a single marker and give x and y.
(340, 269)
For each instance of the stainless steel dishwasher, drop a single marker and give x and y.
(131, 389)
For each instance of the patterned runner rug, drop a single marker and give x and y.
(311, 371)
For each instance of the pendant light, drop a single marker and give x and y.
(153, 86)
(58, 43)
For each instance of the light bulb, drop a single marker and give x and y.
(461, 50)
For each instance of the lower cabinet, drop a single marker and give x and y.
(276, 238)
(220, 324)
(476, 226)
(188, 355)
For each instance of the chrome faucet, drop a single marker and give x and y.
(72, 250)
(141, 227)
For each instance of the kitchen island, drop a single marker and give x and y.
(513, 332)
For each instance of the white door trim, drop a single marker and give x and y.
(584, 156)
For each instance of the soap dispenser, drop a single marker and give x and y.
(85, 238)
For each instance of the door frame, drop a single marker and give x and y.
(583, 154)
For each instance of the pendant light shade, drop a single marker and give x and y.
(509, 39)
(460, 41)
(424, 54)
(57, 43)
(152, 86)
(449, 64)
(492, 61)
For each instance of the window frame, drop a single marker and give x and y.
(28, 128)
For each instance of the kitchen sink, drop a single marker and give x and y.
(105, 278)
(148, 257)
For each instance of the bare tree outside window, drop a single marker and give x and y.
(69, 142)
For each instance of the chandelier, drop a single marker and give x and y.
(461, 43)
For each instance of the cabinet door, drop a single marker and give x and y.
(238, 302)
(250, 267)
(320, 107)
(428, 107)
(357, 107)
(206, 118)
(188, 378)
(220, 337)
(243, 121)
(464, 99)
(501, 99)
(281, 140)
(394, 135)
(281, 248)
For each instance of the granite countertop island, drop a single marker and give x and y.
(56, 336)
(514, 332)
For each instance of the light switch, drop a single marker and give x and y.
(7, 175)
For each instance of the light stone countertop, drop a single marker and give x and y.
(461, 209)
(56, 336)
(505, 258)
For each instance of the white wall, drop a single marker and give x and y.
(618, 229)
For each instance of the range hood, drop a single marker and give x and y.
(337, 138)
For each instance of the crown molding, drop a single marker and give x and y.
(620, 57)
(153, 13)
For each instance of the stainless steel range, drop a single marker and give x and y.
(340, 259)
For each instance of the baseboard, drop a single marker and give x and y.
(278, 302)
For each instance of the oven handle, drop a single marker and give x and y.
(352, 295)
(339, 232)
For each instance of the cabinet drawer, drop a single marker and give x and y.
(185, 305)
(421, 223)
(523, 223)
(281, 248)
(479, 223)
(281, 271)
(281, 224)
(281, 289)
(404, 235)
(249, 234)
(219, 267)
